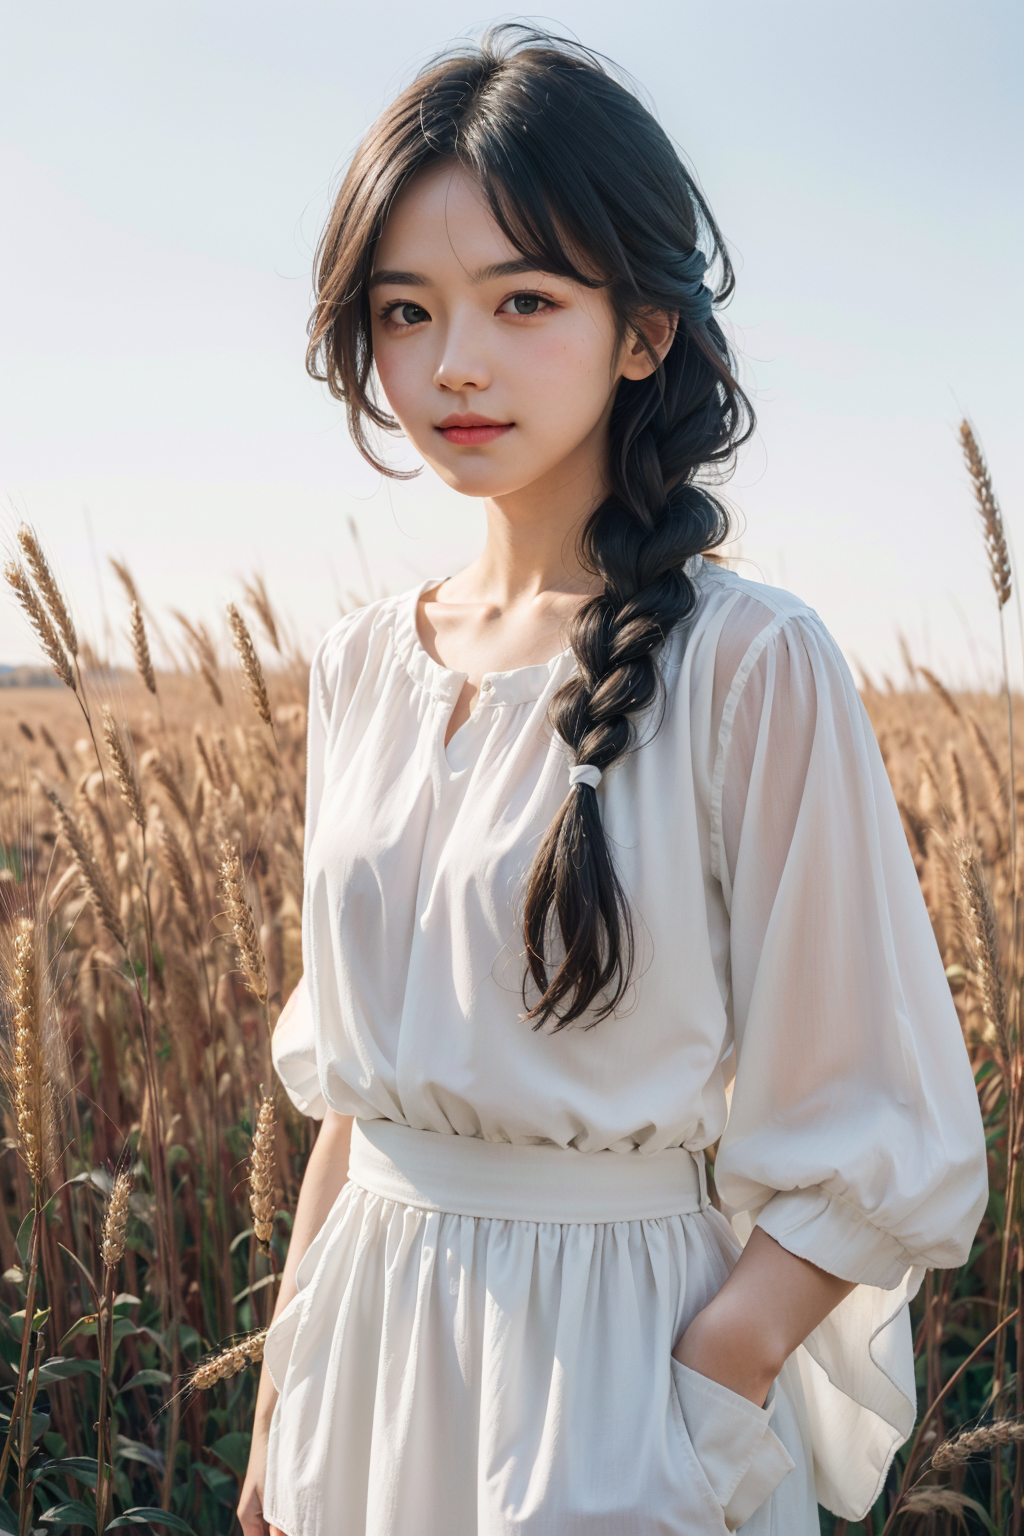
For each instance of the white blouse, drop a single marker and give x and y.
(788, 1000)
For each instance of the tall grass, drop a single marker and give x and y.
(150, 901)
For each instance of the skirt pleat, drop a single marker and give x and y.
(445, 1375)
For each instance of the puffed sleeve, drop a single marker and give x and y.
(293, 1048)
(854, 1136)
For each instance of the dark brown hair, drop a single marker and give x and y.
(583, 181)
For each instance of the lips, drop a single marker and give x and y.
(471, 430)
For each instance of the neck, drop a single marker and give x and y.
(533, 533)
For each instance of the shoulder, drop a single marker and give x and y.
(744, 631)
(358, 642)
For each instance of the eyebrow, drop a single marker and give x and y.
(484, 275)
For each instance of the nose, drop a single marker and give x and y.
(462, 364)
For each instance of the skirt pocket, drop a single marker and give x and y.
(742, 1458)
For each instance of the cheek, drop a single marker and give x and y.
(400, 372)
(570, 372)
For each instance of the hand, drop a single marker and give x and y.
(770, 1303)
(250, 1503)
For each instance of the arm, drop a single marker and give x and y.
(322, 1182)
(769, 1304)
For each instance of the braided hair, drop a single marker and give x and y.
(582, 180)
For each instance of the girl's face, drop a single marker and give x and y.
(499, 374)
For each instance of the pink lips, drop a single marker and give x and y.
(471, 430)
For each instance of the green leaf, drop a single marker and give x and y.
(81, 1468)
(85, 1327)
(223, 1487)
(134, 1450)
(57, 1368)
(72, 1512)
(233, 1450)
(85, 1271)
(22, 1239)
(143, 1516)
(147, 1379)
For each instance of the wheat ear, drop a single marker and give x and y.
(939, 688)
(952, 1453)
(28, 597)
(92, 878)
(178, 869)
(252, 667)
(256, 593)
(243, 924)
(46, 582)
(124, 769)
(261, 1176)
(126, 579)
(981, 936)
(33, 1093)
(115, 1221)
(991, 517)
(229, 1361)
(140, 648)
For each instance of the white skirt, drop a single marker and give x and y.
(481, 1346)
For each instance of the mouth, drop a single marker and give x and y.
(471, 430)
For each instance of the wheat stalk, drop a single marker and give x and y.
(252, 668)
(48, 588)
(229, 1361)
(952, 1453)
(124, 769)
(261, 1176)
(28, 597)
(115, 1221)
(243, 924)
(96, 887)
(991, 517)
(140, 648)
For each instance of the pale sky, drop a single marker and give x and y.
(165, 170)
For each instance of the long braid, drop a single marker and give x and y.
(637, 541)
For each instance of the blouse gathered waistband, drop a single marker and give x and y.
(466, 1176)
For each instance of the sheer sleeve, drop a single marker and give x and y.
(854, 1135)
(294, 1043)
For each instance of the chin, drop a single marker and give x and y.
(478, 478)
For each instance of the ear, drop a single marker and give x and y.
(653, 333)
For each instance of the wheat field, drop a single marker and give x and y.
(150, 898)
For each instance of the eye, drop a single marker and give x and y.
(525, 304)
(404, 314)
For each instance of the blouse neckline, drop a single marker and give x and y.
(521, 685)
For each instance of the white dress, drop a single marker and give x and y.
(448, 1375)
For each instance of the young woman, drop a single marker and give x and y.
(602, 870)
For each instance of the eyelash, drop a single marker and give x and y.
(547, 305)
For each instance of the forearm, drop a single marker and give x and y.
(769, 1304)
(322, 1182)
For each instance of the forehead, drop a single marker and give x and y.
(442, 218)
